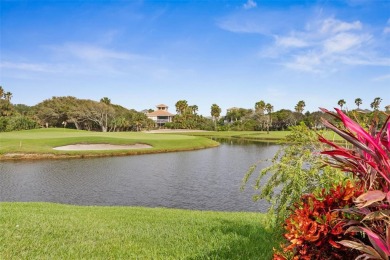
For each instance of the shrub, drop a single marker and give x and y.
(296, 169)
(314, 226)
(369, 161)
(17, 123)
(347, 219)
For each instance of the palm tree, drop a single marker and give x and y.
(300, 106)
(375, 104)
(138, 120)
(181, 106)
(358, 102)
(260, 107)
(8, 96)
(193, 109)
(341, 103)
(269, 109)
(106, 100)
(215, 113)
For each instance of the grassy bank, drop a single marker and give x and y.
(54, 231)
(39, 143)
(272, 136)
(258, 136)
(261, 136)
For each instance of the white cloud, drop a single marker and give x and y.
(387, 28)
(343, 42)
(92, 53)
(362, 59)
(257, 22)
(82, 59)
(32, 67)
(291, 41)
(332, 25)
(307, 62)
(250, 4)
(243, 24)
(382, 78)
(326, 45)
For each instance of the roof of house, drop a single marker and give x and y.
(161, 105)
(160, 113)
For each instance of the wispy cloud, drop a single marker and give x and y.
(331, 44)
(343, 42)
(382, 78)
(33, 67)
(257, 22)
(83, 59)
(93, 53)
(387, 28)
(310, 41)
(250, 4)
(332, 25)
(308, 62)
(290, 41)
(80, 59)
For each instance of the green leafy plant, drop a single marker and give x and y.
(369, 161)
(297, 168)
(348, 221)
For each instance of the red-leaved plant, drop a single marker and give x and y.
(314, 226)
(369, 161)
(338, 226)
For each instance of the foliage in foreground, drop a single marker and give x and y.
(54, 231)
(349, 220)
(295, 170)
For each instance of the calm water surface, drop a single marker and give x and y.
(207, 179)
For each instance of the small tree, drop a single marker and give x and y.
(300, 106)
(269, 109)
(358, 102)
(260, 107)
(375, 104)
(341, 103)
(215, 113)
(106, 100)
(181, 106)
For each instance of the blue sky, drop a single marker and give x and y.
(232, 53)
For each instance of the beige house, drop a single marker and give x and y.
(161, 115)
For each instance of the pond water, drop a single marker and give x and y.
(206, 179)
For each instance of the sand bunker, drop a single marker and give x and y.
(89, 147)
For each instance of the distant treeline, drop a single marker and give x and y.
(71, 112)
(85, 114)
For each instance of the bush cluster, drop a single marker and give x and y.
(352, 218)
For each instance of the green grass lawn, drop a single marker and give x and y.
(55, 231)
(39, 143)
(262, 136)
(42, 141)
(257, 135)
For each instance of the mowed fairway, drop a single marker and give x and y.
(53, 231)
(39, 143)
(262, 136)
(258, 136)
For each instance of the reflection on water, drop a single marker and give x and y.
(207, 179)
